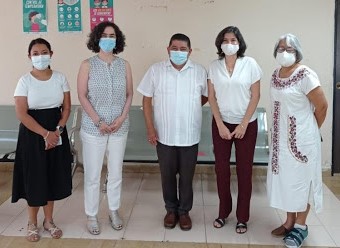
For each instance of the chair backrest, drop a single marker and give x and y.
(74, 136)
(138, 149)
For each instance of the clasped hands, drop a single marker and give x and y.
(104, 128)
(51, 139)
(238, 133)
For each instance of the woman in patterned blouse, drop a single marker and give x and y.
(105, 92)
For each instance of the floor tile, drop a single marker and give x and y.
(197, 232)
(142, 210)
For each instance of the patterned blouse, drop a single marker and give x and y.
(106, 93)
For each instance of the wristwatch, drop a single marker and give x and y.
(60, 129)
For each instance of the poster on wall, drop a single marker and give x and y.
(100, 11)
(69, 16)
(34, 16)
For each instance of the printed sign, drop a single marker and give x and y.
(34, 16)
(100, 11)
(69, 16)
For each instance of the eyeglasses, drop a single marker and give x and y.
(287, 49)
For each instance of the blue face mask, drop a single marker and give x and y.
(178, 57)
(107, 44)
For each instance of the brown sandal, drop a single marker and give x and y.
(281, 231)
(54, 231)
(32, 233)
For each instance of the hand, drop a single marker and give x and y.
(44, 22)
(116, 124)
(224, 133)
(104, 128)
(152, 136)
(51, 140)
(239, 131)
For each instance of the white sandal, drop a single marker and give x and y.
(32, 233)
(93, 225)
(116, 221)
(54, 231)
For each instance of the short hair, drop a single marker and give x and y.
(31, 14)
(239, 37)
(181, 37)
(293, 42)
(39, 41)
(96, 34)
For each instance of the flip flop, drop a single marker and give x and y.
(241, 228)
(219, 223)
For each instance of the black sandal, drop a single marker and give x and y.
(219, 223)
(240, 226)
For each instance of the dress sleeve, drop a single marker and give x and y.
(22, 88)
(309, 82)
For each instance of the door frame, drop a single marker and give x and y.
(336, 94)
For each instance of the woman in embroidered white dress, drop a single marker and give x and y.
(298, 110)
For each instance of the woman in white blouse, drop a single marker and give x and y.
(42, 168)
(234, 92)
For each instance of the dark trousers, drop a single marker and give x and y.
(175, 160)
(244, 149)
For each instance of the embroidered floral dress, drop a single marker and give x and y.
(294, 169)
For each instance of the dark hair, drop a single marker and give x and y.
(31, 14)
(181, 37)
(239, 37)
(96, 34)
(39, 41)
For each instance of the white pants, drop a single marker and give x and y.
(94, 149)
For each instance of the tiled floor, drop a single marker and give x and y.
(142, 209)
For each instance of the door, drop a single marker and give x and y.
(336, 94)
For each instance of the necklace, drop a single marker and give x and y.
(230, 69)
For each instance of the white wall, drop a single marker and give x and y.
(149, 24)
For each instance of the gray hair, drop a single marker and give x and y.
(293, 42)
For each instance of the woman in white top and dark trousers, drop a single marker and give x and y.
(234, 92)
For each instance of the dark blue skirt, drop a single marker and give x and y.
(41, 175)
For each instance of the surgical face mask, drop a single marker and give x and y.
(229, 49)
(285, 59)
(107, 44)
(41, 62)
(178, 57)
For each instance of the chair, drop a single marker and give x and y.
(75, 141)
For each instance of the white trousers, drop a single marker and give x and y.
(94, 150)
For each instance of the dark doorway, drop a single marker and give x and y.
(336, 94)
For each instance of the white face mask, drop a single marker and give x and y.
(229, 49)
(285, 59)
(41, 62)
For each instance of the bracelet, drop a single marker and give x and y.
(242, 125)
(45, 138)
(99, 123)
